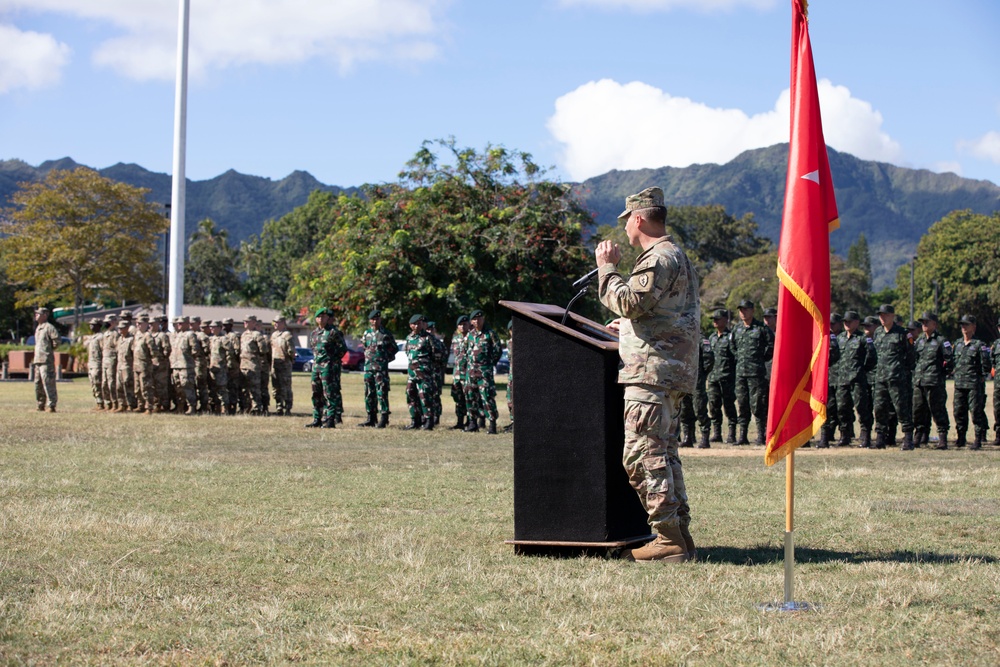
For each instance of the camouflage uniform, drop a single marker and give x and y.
(658, 345)
(933, 357)
(510, 376)
(995, 360)
(251, 348)
(828, 431)
(722, 383)
(282, 356)
(380, 349)
(142, 366)
(970, 366)
(460, 374)
(328, 349)
(893, 384)
(219, 352)
(235, 385)
(265, 373)
(201, 363)
(44, 362)
(857, 360)
(126, 372)
(109, 365)
(754, 346)
(159, 345)
(183, 349)
(483, 349)
(440, 367)
(695, 406)
(420, 378)
(94, 363)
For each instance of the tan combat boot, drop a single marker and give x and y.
(668, 547)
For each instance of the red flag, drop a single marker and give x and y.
(802, 343)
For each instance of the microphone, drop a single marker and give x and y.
(582, 282)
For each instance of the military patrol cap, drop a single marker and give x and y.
(144, 318)
(967, 319)
(196, 318)
(123, 324)
(42, 309)
(886, 309)
(720, 313)
(417, 318)
(185, 318)
(94, 321)
(870, 321)
(836, 318)
(461, 318)
(178, 319)
(851, 316)
(127, 314)
(278, 318)
(110, 318)
(215, 323)
(162, 318)
(475, 314)
(648, 198)
(928, 316)
(745, 303)
(772, 312)
(228, 320)
(321, 311)
(251, 318)
(914, 324)
(375, 313)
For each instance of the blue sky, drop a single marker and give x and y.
(349, 89)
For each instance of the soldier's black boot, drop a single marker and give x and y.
(688, 437)
(482, 422)
(472, 426)
(824, 439)
(942, 440)
(716, 433)
(846, 437)
(460, 424)
(866, 439)
(880, 440)
(371, 420)
(760, 434)
(907, 441)
(329, 422)
(959, 440)
(978, 442)
(703, 443)
(315, 423)
(428, 423)
(743, 435)
(414, 424)
(492, 428)
(731, 440)
(996, 440)
(383, 420)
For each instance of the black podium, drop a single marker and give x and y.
(570, 490)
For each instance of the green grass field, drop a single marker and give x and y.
(132, 540)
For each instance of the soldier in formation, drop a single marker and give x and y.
(460, 373)
(851, 377)
(94, 362)
(328, 348)
(722, 378)
(419, 374)
(380, 348)
(282, 357)
(44, 362)
(484, 351)
(510, 376)
(970, 366)
(932, 358)
(754, 344)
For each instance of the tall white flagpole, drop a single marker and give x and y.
(178, 192)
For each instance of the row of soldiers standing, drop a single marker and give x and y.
(199, 367)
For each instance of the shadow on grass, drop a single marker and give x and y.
(764, 555)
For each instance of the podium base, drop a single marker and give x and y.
(563, 549)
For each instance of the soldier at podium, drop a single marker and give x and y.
(658, 343)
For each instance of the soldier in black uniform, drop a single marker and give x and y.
(892, 379)
(857, 360)
(933, 358)
(970, 366)
(722, 379)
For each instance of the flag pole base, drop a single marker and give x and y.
(789, 604)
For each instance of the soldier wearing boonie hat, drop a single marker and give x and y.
(109, 362)
(94, 361)
(233, 387)
(282, 358)
(659, 339)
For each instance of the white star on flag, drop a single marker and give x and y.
(812, 176)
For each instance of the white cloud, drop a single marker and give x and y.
(225, 33)
(986, 147)
(606, 125)
(29, 60)
(667, 5)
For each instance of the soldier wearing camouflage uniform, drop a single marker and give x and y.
(201, 363)
(893, 383)
(460, 373)
(265, 373)
(440, 365)
(754, 344)
(142, 366)
(282, 356)
(328, 349)
(995, 359)
(419, 375)
(722, 379)
(483, 348)
(159, 345)
(871, 325)
(380, 348)
(658, 345)
(94, 363)
(970, 366)
(857, 359)
(251, 348)
(510, 376)
(44, 362)
(695, 406)
(219, 352)
(234, 387)
(183, 350)
(109, 363)
(933, 359)
(126, 373)
(828, 431)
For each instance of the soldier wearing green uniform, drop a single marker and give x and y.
(440, 363)
(871, 325)
(380, 349)
(183, 349)
(142, 365)
(44, 361)
(893, 379)
(754, 347)
(328, 349)
(126, 372)
(827, 433)
(510, 376)
(970, 366)
(722, 379)
(419, 374)
(658, 345)
(483, 346)
(460, 373)
(933, 355)
(995, 360)
(694, 407)
(857, 359)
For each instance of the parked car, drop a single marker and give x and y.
(63, 340)
(399, 363)
(303, 360)
(353, 359)
(503, 366)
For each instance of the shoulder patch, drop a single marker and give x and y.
(947, 343)
(643, 280)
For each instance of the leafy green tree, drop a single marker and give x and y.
(78, 235)
(448, 237)
(270, 259)
(859, 258)
(961, 252)
(210, 275)
(15, 322)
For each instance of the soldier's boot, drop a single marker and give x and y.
(743, 435)
(716, 433)
(824, 439)
(688, 440)
(668, 547)
(978, 442)
(907, 441)
(315, 423)
(846, 437)
(996, 440)
(959, 440)
(918, 438)
(428, 424)
(866, 439)
(703, 443)
(339, 419)
(415, 423)
(942, 440)
(731, 439)
(509, 428)
(692, 550)
(880, 440)
(459, 424)
(370, 421)
(383, 420)
(329, 422)
(482, 422)
(472, 426)
(760, 434)
(492, 428)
